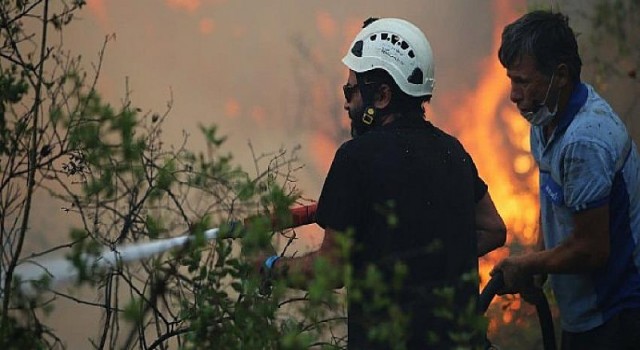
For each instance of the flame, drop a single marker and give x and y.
(206, 26)
(497, 138)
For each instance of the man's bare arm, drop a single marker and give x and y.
(301, 270)
(490, 228)
(586, 249)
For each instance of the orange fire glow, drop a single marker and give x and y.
(351, 27)
(326, 24)
(232, 108)
(206, 26)
(498, 140)
(98, 9)
(323, 148)
(186, 5)
(258, 115)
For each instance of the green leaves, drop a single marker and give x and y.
(13, 87)
(211, 135)
(83, 249)
(166, 175)
(133, 311)
(155, 226)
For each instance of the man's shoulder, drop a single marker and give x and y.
(377, 138)
(447, 139)
(596, 121)
(357, 147)
(351, 145)
(596, 109)
(433, 132)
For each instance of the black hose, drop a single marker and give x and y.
(489, 292)
(538, 298)
(545, 319)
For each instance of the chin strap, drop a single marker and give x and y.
(368, 119)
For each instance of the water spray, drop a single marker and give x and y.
(61, 270)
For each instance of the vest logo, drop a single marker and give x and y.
(551, 189)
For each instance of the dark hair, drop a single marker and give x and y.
(401, 102)
(369, 21)
(545, 36)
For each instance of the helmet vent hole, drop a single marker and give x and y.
(416, 76)
(404, 45)
(356, 50)
(411, 54)
(373, 37)
(394, 39)
(384, 36)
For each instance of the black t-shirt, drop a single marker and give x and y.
(407, 191)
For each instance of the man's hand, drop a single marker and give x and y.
(257, 261)
(266, 275)
(516, 278)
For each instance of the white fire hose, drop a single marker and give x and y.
(61, 270)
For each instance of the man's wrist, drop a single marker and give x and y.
(275, 267)
(270, 262)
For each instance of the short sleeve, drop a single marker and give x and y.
(341, 199)
(587, 175)
(480, 188)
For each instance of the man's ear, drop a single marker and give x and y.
(564, 78)
(383, 97)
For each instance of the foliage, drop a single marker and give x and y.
(608, 31)
(615, 31)
(110, 168)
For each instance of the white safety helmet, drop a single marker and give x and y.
(398, 47)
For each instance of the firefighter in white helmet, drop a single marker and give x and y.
(400, 51)
(409, 197)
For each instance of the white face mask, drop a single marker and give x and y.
(542, 116)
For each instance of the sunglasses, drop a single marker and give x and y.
(349, 90)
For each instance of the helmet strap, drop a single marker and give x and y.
(369, 117)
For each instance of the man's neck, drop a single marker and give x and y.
(563, 103)
(387, 119)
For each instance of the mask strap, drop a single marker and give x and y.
(546, 96)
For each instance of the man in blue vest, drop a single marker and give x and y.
(589, 167)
